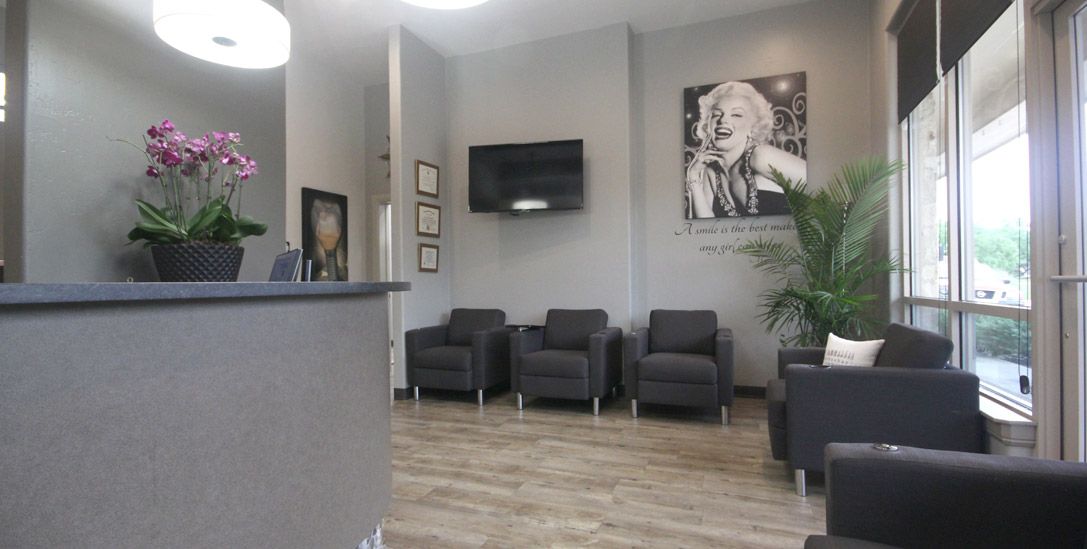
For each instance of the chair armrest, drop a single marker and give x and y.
(724, 351)
(635, 346)
(522, 343)
(418, 339)
(906, 406)
(491, 356)
(798, 355)
(931, 498)
(605, 360)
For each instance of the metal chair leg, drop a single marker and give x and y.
(801, 485)
(520, 402)
(479, 396)
(416, 390)
(724, 415)
(634, 407)
(596, 406)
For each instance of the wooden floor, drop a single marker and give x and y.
(554, 475)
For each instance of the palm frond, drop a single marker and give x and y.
(824, 275)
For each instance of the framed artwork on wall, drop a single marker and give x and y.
(733, 133)
(426, 178)
(428, 219)
(428, 258)
(324, 233)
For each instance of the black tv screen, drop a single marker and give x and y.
(525, 177)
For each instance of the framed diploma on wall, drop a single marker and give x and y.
(426, 178)
(428, 219)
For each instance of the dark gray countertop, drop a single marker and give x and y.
(26, 294)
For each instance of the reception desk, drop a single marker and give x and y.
(194, 415)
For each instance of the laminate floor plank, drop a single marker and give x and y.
(554, 475)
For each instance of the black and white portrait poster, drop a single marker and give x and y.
(324, 233)
(734, 134)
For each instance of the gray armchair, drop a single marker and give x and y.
(910, 397)
(575, 356)
(910, 497)
(682, 358)
(469, 353)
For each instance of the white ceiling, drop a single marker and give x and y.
(353, 34)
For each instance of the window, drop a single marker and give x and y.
(969, 217)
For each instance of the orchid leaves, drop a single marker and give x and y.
(214, 222)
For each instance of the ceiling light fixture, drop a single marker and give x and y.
(248, 34)
(444, 4)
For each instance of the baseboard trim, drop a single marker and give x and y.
(740, 390)
(750, 392)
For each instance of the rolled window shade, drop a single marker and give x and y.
(962, 22)
(917, 69)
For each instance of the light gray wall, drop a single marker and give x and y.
(326, 130)
(886, 141)
(572, 87)
(79, 186)
(377, 170)
(829, 41)
(417, 107)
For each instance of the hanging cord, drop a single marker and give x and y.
(1024, 379)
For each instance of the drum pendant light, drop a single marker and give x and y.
(248, 34)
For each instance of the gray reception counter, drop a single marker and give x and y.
(194, 415)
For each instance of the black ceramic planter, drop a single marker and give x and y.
(197, 262)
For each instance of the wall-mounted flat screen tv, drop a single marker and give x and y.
(525, 177)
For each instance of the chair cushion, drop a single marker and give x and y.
(465, 322)
(444, 358)
(678, 368)
(909, 347)
(556, 363)
(570, 329)
(682, 331)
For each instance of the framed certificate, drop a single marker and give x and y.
(428, 219)
(426, 178)
(428, 258)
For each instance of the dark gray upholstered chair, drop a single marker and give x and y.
(930, 498)
(575, 356)
(469, 353)
(911, 397)
(682, 358)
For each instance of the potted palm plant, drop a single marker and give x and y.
(195, 235)
(825, 275)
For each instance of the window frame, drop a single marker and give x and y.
(960, 310)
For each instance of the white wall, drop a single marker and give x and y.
(417, 114)
(829, 41)
(77, 190)
(377, 170)
(622, 94)
(572, 87)
(325, 138)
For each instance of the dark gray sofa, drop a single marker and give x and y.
(574, 356)
(469, 353)
(914, 497)
(910, 397)
(682, 358)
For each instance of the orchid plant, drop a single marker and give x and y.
(203, 174)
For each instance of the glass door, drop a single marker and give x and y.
(1070, 71)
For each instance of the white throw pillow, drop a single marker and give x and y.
(843, 352)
